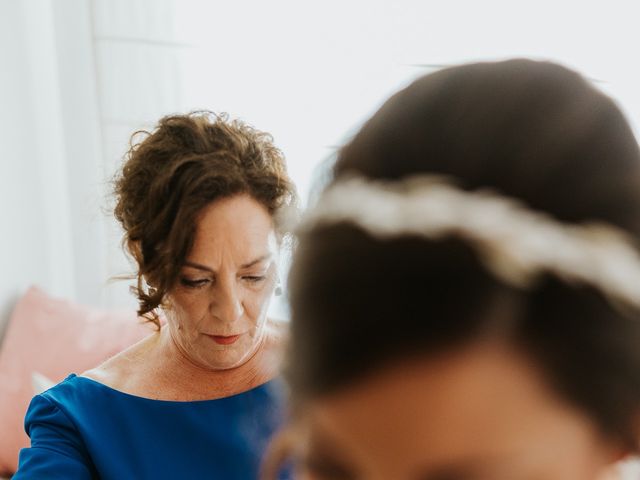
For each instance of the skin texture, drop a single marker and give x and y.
(224, 289)
(481, 413)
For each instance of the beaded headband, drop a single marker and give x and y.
(515, 243)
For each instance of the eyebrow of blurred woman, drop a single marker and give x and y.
(469, 470)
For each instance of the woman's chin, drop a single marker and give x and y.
(225, 364)
(229, 358)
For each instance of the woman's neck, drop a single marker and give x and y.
(156, 368)
(177, 375)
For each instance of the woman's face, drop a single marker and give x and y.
(479, 414)
(218, 308)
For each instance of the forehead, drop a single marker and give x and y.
(236, 225)
(485, 406)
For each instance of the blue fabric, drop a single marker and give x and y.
(81, 429)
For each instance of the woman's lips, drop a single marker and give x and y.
(224, 340)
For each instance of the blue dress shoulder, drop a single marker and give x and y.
(81, 429)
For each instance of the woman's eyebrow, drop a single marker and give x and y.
(452, 472)
(250, 264)
(198, 266)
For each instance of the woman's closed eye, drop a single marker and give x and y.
(254, 278)
(202, 282)
(194, 282)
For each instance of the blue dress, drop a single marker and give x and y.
(81, 429)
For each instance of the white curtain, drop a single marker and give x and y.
(51, 182)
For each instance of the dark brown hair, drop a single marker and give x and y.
(172, 173)
(534, 131)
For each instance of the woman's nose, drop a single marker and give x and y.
(227, 304)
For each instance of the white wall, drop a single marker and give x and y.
(310, 72)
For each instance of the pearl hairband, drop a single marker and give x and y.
(516, 243)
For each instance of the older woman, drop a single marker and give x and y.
(466, 293)
(199, 200)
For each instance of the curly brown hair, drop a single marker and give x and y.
(172, 173)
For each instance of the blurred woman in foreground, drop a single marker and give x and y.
(465, 293)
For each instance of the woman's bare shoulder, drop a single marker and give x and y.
(122, 367)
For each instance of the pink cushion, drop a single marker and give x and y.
(54, 338)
